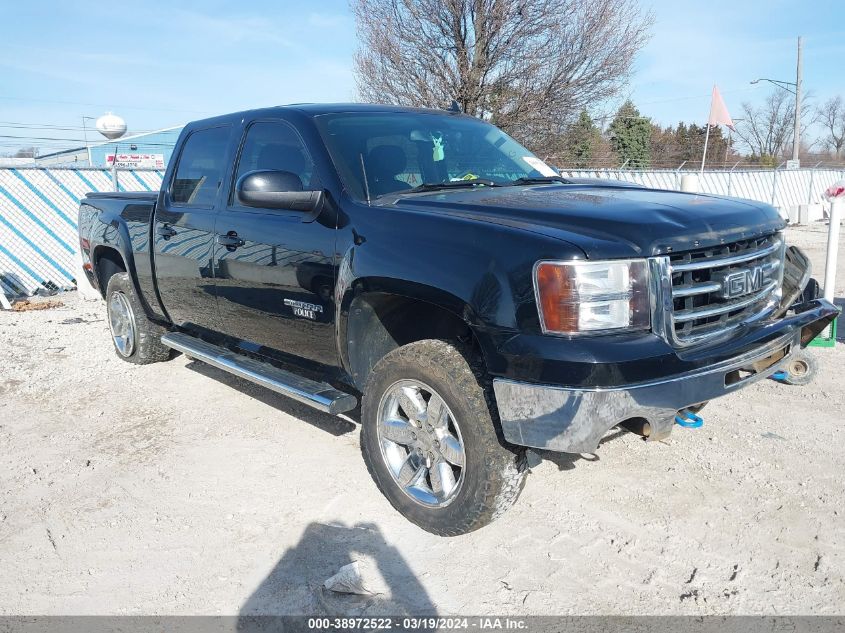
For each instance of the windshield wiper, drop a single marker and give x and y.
(452, 184)
(540, 180)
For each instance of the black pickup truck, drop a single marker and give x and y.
(475, 302)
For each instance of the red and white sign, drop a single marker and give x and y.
(836, 191)
(136, 161)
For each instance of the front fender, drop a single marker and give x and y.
(479, 272)
(354, 314)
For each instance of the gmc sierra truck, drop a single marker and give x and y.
(424, 265)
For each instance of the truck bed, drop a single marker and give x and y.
(123, 195)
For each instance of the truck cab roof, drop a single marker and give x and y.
(317, 109)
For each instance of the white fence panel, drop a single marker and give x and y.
(781, 188)
(38, 209)
(38, 222)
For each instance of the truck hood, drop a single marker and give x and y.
(607, 221)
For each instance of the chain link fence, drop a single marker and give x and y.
(38, 209)
(38, 222)
(779, 187)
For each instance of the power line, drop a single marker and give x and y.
(73, 141)
(59, 128)
(101, 105)
(690, 98)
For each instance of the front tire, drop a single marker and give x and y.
(136, 339)
(430, 443)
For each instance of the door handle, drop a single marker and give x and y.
(166, 231)
(231, 240)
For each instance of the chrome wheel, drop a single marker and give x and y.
(421, 443)
(122, 324)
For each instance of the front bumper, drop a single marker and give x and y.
(573, 419)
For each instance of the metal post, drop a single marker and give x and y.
(832, 247)
(731, 176)
(704, 153)
(114, 177)
(85, 136)
(812, 182)
(727, 149)
(796, 139)
(678, 175)
(775, 183)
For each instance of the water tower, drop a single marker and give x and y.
(111, 126)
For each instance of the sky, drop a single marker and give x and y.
(158, 65)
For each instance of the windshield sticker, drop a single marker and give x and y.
(437, 141)
(540, 166)
(467, 176)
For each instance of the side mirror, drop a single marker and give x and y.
(268, 189)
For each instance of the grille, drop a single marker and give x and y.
(718, 288)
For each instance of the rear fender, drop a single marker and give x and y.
(109, 232)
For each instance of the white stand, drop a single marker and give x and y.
(836, 205)
(4, 301)
(690, 183)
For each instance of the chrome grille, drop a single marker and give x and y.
(715, 289)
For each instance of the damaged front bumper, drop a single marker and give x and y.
(573, 420)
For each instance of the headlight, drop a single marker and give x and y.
(583, 296)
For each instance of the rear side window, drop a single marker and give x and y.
(201, 167)
(275, 145)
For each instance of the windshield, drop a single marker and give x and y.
(401, 151)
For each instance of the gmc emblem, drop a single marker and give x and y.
(742, 282)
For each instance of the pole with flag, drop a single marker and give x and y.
(718, 116)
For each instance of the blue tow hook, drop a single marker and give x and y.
(780, 376)
(689, 420)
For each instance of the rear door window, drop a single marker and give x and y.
(201, 168)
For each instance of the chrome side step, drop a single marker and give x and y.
(315, 394)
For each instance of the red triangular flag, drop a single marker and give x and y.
(719, 111)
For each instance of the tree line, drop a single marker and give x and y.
(539, 68)
(763, 137)
(633, 141)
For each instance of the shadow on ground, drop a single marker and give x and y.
(336, 425)
(568, 461)
(323, 421)
(295, 585)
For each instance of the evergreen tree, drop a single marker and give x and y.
(582, 140)
(630, 135)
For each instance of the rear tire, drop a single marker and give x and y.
(136, 339)
(448, 470)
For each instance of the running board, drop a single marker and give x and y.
(315, 394)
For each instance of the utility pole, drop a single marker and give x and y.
(85, 136)
(794, 88)
(796, 139)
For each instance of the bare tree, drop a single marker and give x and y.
(767, 130)
(529, 66)
(831, 116)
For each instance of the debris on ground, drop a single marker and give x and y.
(358, 577)
(28, 306)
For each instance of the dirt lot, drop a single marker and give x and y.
(176, 489)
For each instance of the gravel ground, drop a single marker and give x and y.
(177, 489)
